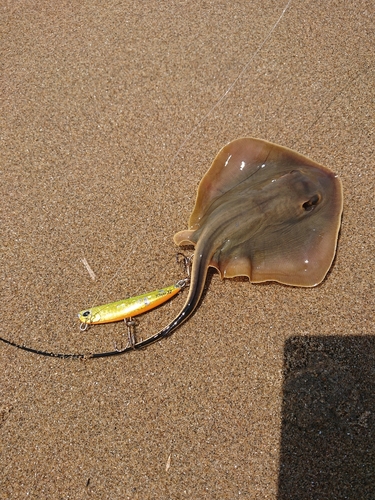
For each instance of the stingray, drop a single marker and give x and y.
(262, 211)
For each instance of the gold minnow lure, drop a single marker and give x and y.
(117, 311)
(127, 308)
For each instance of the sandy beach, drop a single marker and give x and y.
(111, 113)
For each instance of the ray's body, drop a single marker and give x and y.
(265, 212)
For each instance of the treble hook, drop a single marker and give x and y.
(130, 325)
(186, 263)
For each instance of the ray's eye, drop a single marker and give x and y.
(85, 314)
(311, 203)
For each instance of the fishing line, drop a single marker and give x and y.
(209, 113)
(229, 89)
(185, 141)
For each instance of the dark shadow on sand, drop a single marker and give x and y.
(328, 419)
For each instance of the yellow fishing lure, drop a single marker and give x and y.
(120, 310)
(127, 308)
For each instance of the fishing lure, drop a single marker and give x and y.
(120, 310)
(126, 309)
(133, 306)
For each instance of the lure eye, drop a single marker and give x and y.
(85, 314)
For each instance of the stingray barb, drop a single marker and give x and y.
(262, 211)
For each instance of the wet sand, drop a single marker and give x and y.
(108, 124)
